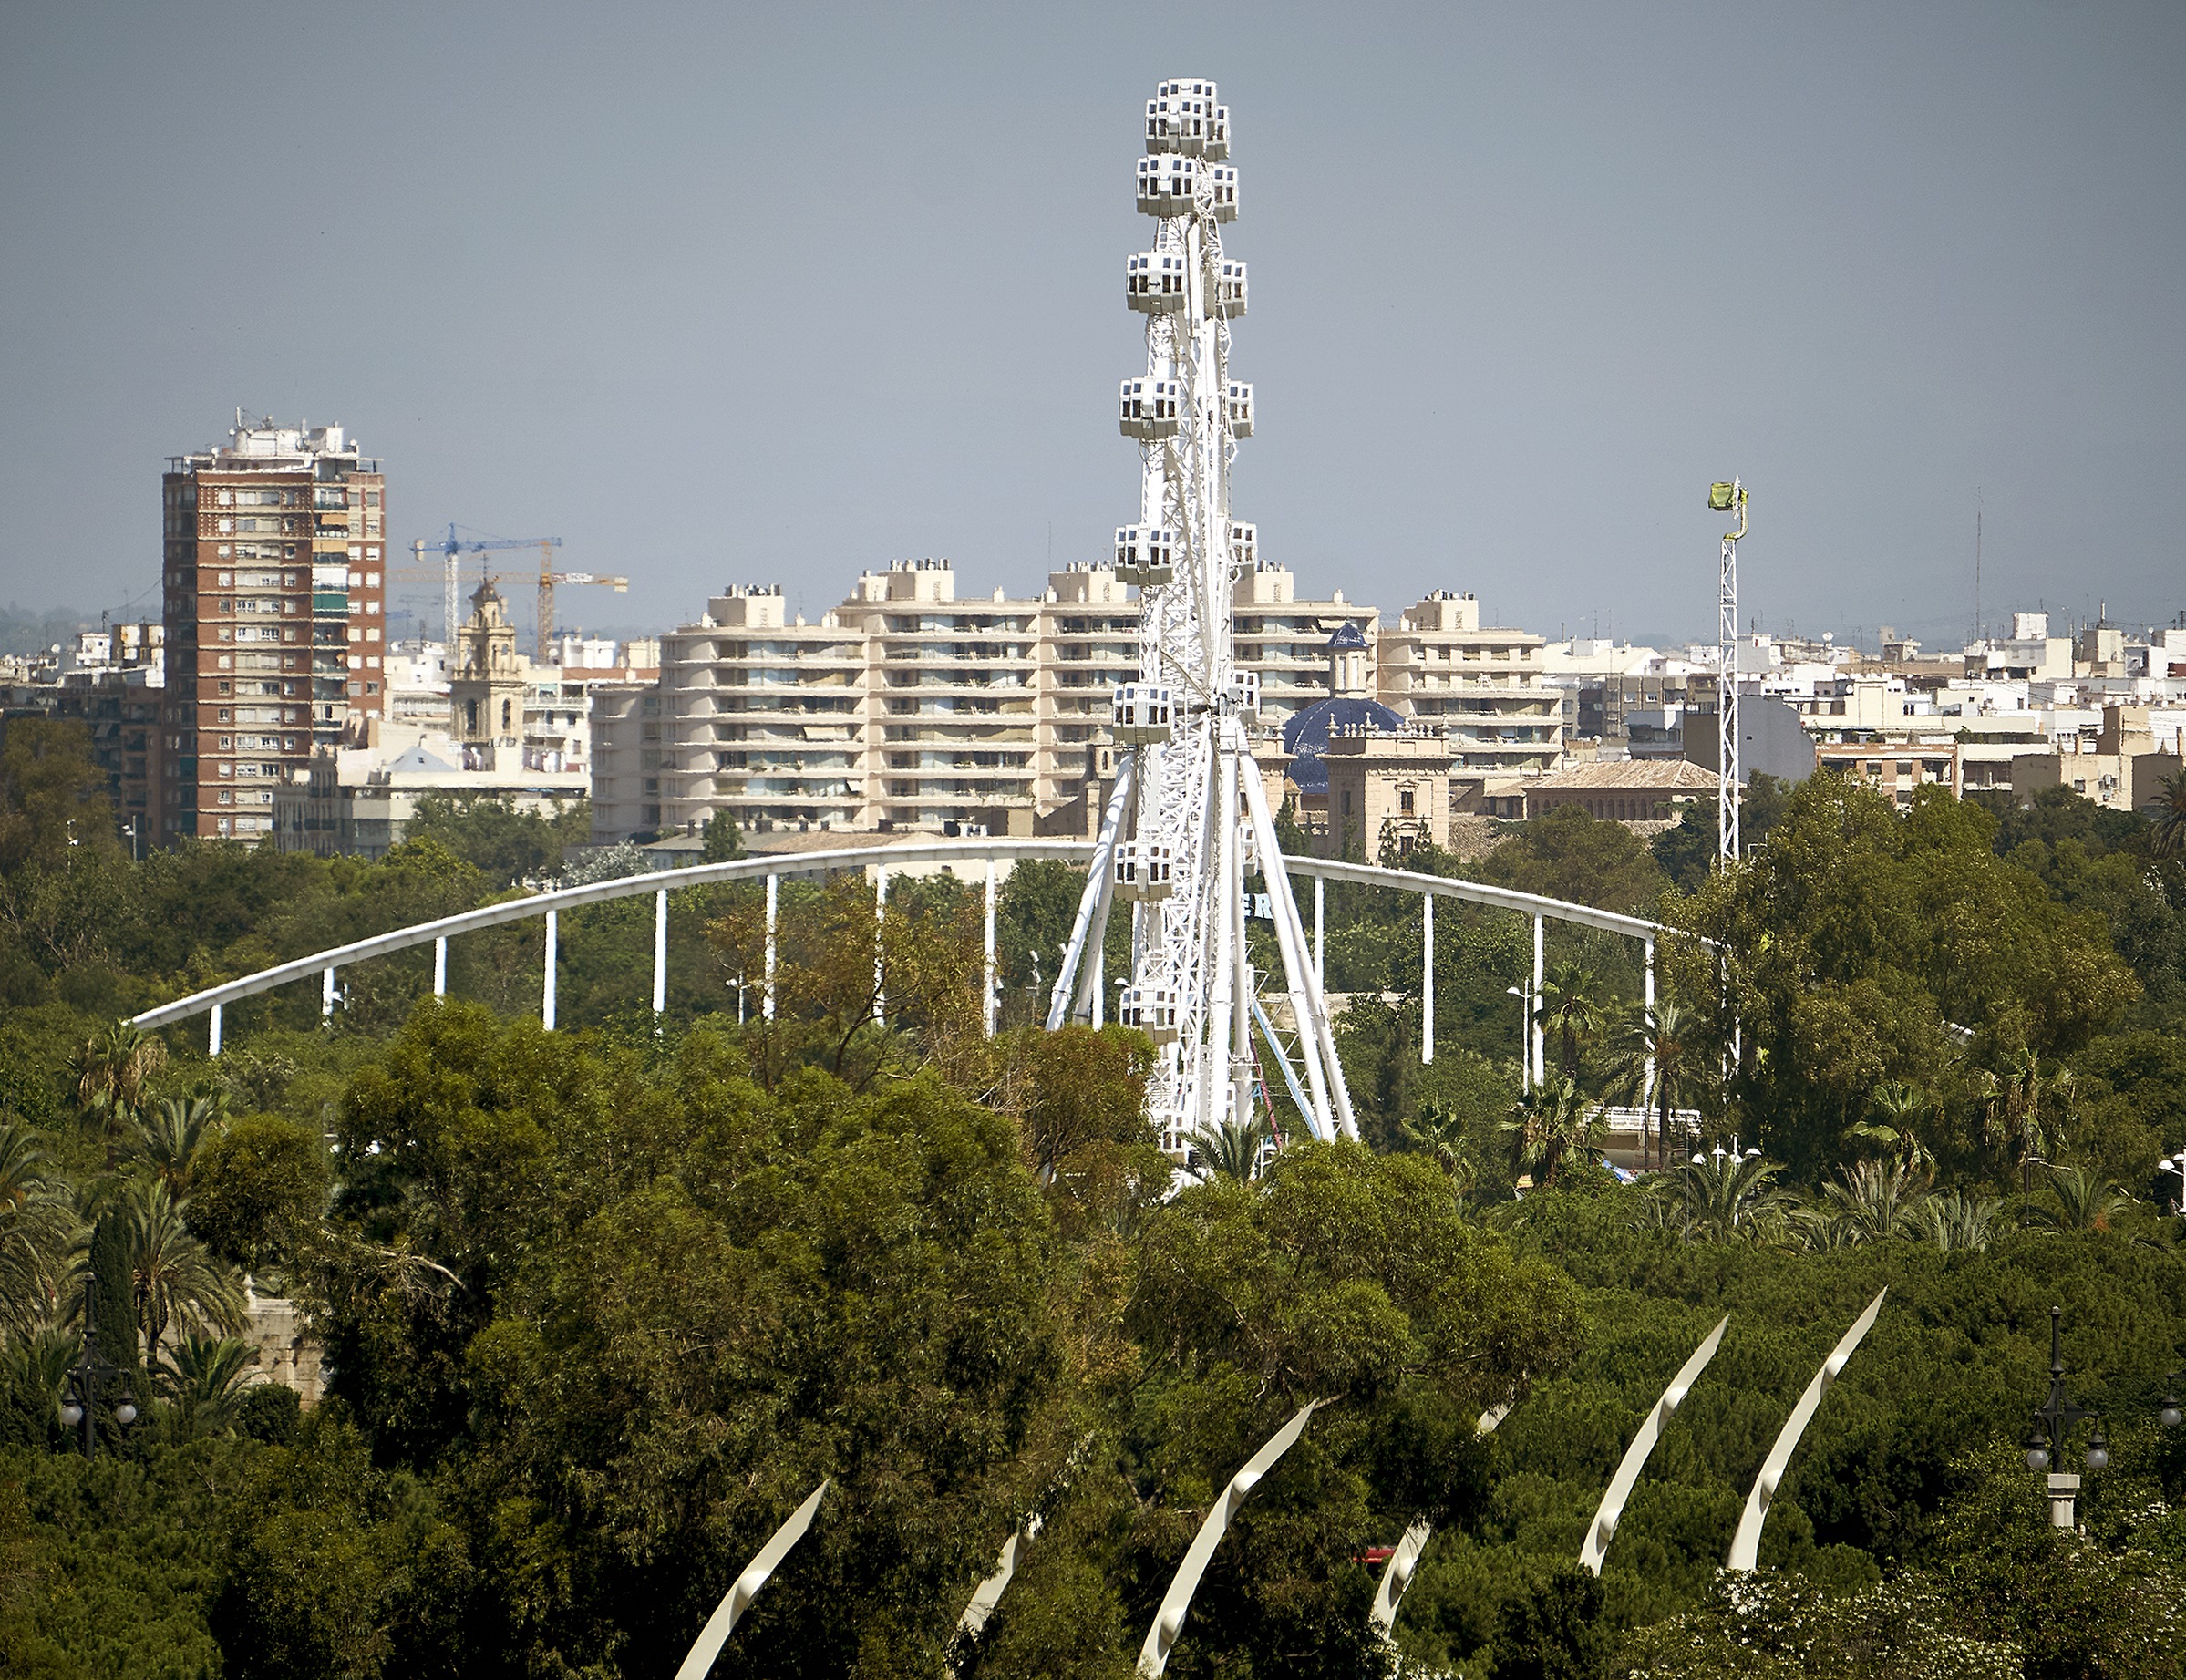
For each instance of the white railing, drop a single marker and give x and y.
(772, 870)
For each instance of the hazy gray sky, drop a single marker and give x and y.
(727, 293)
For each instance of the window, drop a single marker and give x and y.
(1404, 802)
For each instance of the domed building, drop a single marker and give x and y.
(1349, 705)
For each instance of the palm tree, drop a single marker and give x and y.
(175, 1278)
(1657, 1059)
(1903, 1107)
(114, 1070)
(2170, 815)
(1726, 1196)
(39, 1364)
(1877, 1199)
(1569, 1009)
(2083, 1201)
(37, 1223)
(1231, 1148)
(2017, 1122)
(1440, 1131)
(1555, 1123)
(169, 1133)
(205, 1377)
(1958, 1223)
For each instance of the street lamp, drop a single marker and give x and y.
(2177, 1169)
(2054, 1421)
(86, 1376)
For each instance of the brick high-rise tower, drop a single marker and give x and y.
(275, 613)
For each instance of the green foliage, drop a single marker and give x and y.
(723, 840)
(268, 1412)
(127, 1555)
(506, 845)
(1865, 944)
(258, 1186)
(1568, 854)
(1553, 1631)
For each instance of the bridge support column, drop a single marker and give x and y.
(660, 953)
(993, 881)
(213, 1036)
(546, 993)
(879, 917)
(1426, 977)
(773, 893)
(1537, 1036)
(326, 995)
(440, 967)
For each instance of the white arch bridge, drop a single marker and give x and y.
(957, 854)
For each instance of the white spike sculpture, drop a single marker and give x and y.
(1603, 1527)
(744, 1588)
(1404, 1563)
(1169, 1621)
(1195, 807)
(1745, 1545)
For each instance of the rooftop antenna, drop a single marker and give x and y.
(1976, 562)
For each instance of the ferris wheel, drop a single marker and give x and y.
(1188, 820)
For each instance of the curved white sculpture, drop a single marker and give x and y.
(1404, 1563)
(1169, 1621)
(1603, 1527)
(990, 1591)
(1745, 1545)
(737, 1599)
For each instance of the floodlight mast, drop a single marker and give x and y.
(1727, 498)
(1191, 801)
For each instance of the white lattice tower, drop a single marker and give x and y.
(1188, 816)
(1729, 783)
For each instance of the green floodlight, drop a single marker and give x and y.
(1719, 498)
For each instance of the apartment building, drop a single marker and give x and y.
(905, 707)
(1485, 690)
(1286, 639)
(275, 617)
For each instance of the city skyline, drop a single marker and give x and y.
(720, 310)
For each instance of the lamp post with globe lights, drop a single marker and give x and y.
(92, 1372)
(2054, 1421)
(2175, 1168)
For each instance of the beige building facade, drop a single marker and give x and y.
(1484, 689)
(905, 709)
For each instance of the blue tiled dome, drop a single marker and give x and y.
(1306, 735)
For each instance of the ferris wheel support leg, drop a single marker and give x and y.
(1290, 1078)
(1320, 909)
(1214, 1049)
(1093, 898)
(1314, 1043)
(1241, 1050)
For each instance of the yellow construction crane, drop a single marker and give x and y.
(548, 578)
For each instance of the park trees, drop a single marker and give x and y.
(1862, 946)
